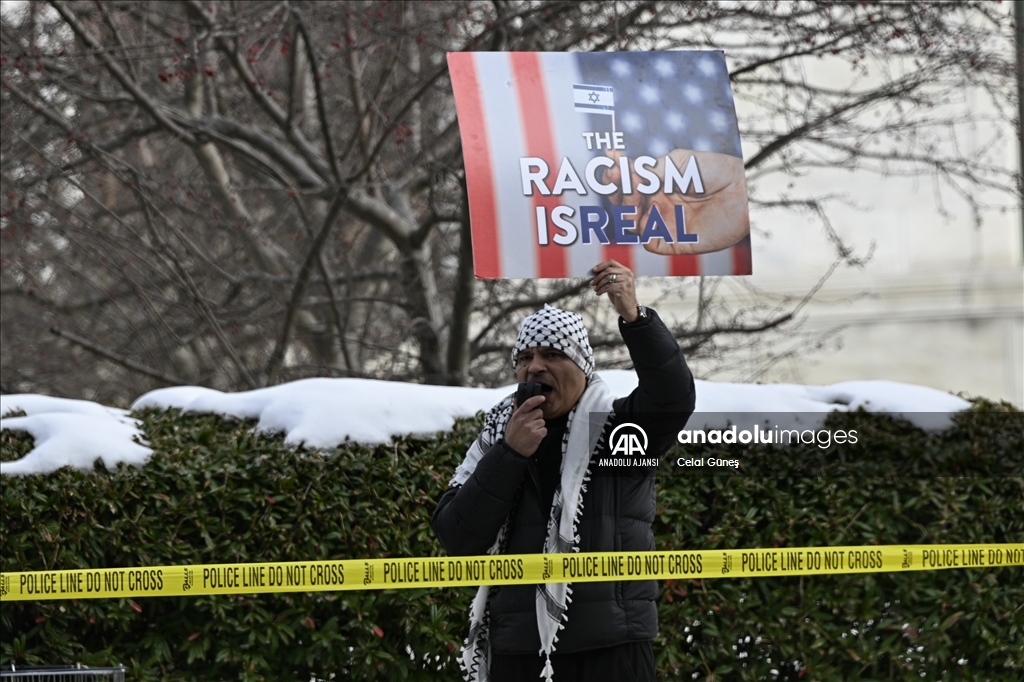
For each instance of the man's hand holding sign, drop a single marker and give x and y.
(616, 280)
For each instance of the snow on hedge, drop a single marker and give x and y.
(71, 433)
(326, 412)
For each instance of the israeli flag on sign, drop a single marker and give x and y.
(593, 99)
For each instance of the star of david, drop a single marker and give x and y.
(594, 97)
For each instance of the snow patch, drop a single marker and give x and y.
(322, 413)
(71, 433)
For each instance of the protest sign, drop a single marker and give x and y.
(575, 158)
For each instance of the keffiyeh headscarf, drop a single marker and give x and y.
(552, 327)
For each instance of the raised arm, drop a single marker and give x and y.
(665, 397)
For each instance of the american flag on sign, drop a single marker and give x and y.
(525, 118)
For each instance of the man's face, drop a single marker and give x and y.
(562, 380)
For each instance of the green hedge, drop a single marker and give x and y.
(216, 492)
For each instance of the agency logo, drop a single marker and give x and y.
(628, 439)
(367, 573)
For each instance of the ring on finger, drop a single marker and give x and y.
(612, 278)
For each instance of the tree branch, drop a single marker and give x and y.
(314, 67)
(277, 355)
(266, 102)
(462, 302)
(800, 131)
(108, 354)
(115, 69)
(815, 49)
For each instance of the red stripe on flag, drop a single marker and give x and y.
(537, 132)
(742, 263)
(483, 214)
(683, 266)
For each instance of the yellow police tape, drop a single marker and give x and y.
(434, 572)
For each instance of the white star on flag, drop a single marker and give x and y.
(593, 99)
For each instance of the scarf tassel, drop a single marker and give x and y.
(548, 673)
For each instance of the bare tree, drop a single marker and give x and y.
(238, 194)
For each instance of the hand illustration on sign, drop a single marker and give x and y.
(716, 211)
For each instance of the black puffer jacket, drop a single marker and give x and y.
(617, 510)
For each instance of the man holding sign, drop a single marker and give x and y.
(532, 483)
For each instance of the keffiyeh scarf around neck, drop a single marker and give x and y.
(578, 445)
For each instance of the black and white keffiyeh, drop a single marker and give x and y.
(579, 444)
(562, 330)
